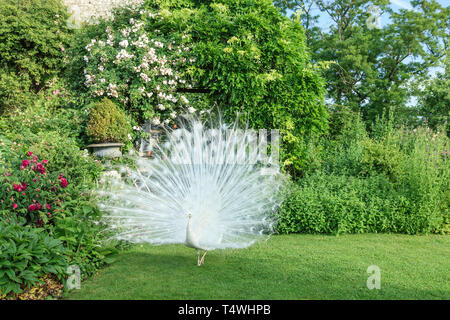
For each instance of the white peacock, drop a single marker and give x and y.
(204, 189)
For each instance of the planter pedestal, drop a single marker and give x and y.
(107, 150)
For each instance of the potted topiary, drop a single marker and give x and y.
(107, 128)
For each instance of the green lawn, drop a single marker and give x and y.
(285, 267)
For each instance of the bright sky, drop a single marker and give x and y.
(395, 4)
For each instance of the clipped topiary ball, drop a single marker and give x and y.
(107, 123)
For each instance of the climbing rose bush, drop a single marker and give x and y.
(29, 191)
(139, 67)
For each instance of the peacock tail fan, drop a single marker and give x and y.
(214, 173)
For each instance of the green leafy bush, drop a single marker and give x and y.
(254, 61)
(388, 180)
(76, 221)
(27, 253)
(107, 123)
(62, 153)
(14, 91)
(338, 204)
(33, 39)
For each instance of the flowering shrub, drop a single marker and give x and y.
(138, 66)
(32, 192)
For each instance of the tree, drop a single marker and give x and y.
(372, 68)
(434, 101)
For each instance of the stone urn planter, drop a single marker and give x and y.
(107, 150)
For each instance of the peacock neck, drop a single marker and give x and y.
(190, 239)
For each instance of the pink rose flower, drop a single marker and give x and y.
(40, 168)
(25, 164)
(63, 182)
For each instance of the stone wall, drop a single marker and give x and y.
(86, 10)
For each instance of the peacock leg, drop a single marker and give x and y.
(198, 257)
(203, 257)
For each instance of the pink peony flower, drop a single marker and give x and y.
(31, 207)
(48, 206)
(25, 164)
(44, 161)
(14, 205)
(40, 168)
(63, 182)
(29, 153)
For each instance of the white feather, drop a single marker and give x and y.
(209, 174)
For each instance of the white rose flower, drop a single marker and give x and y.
(156, 121)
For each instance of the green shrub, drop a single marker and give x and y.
(62, 153)
(27, 253)
(33, 39)
(107, 123)
(75, 222)
(386, 180)
(14, 91)
(336, 204)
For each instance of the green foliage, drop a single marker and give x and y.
(254, 61)
(77, 225)
(107, 123)
(393, 180)
(33, 38)
(62, 154)
(31, 192)
(75, 222)
(373, 68)
(341, 204)
(133, 62)
(13, 91)
(434, 101)
(243, 56)
(27, 253)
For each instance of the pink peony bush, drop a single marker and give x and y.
(30, 191)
